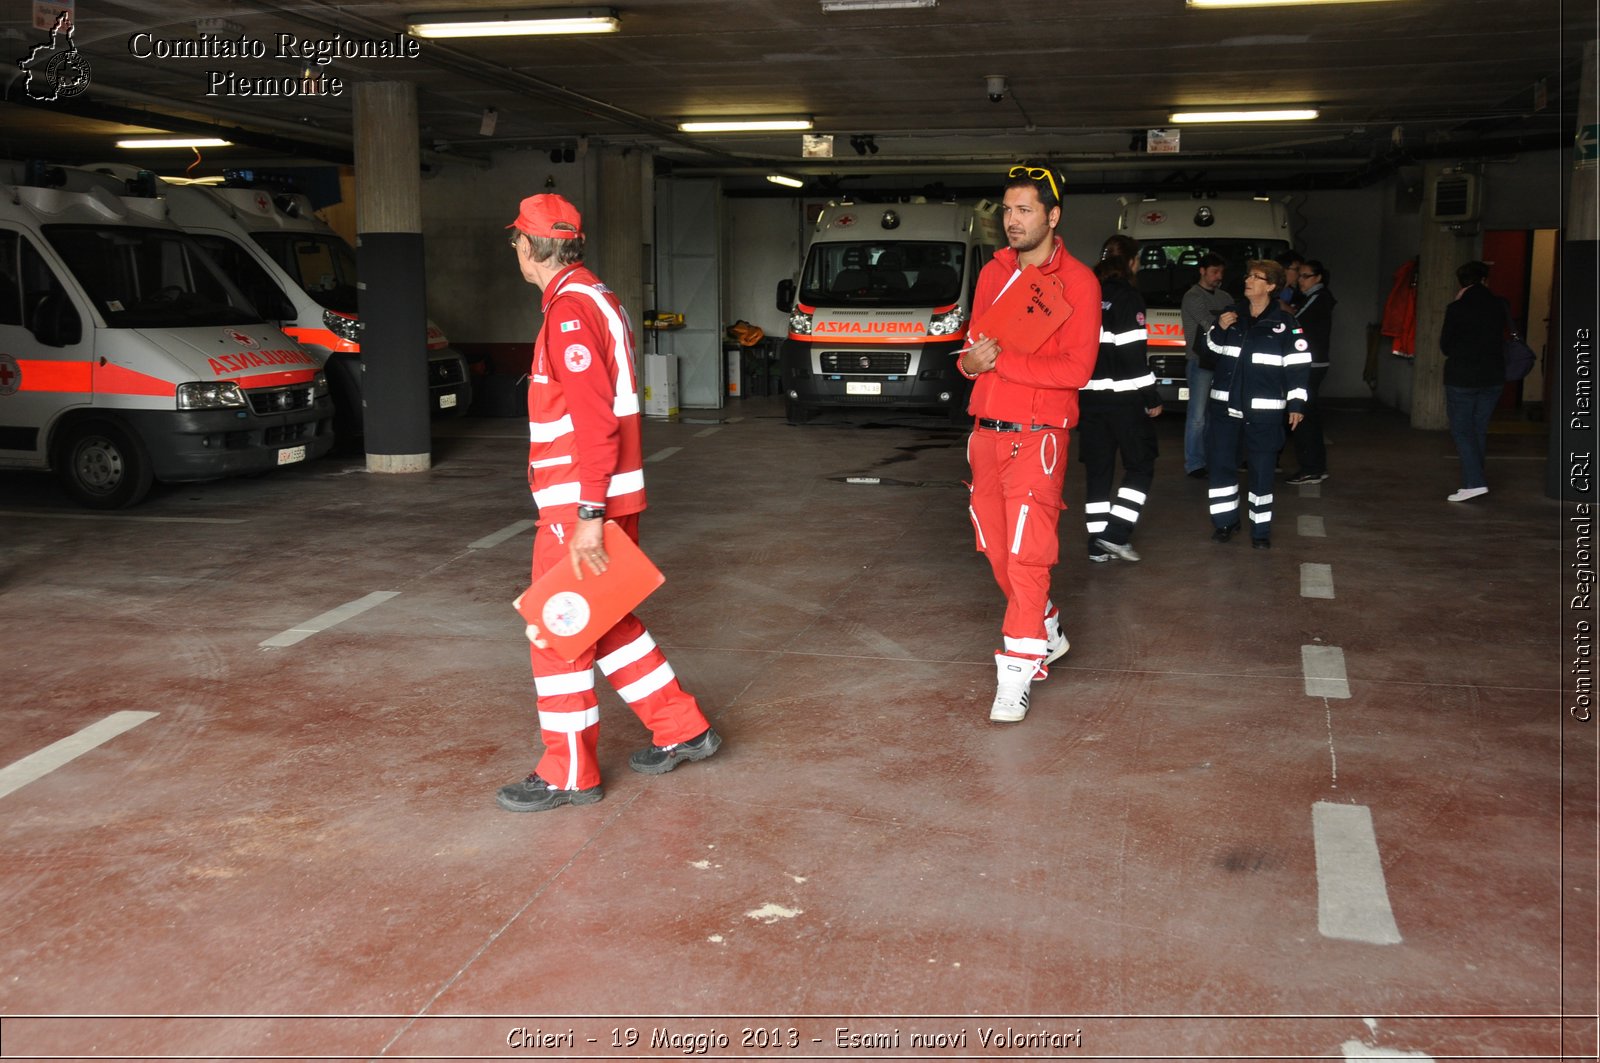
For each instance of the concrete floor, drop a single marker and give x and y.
(273, 844)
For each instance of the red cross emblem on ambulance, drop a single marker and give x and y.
(10, 375)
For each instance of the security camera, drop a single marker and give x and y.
(996, 86)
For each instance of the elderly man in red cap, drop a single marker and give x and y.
(585, 467)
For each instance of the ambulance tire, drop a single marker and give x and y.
(797, 412)
(103, 465)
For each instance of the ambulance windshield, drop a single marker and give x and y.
(322, 264)
(1168, 268)
(149, 278)
(883, 273)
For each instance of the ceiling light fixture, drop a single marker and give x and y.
(1304, 115)
(743, 125)
(541, 22)
(1272, 3)
(785, 180)
(175, 142)
(874, 5)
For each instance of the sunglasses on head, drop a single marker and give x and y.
(1037, 173)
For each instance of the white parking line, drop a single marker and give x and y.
(1324, 672)
(1311, 527)
(661, 454)
(1316, 581)
(713, 430)
(502, 535)
(1352, 900)
(1310, 490)
(37, 765)
(328, 619)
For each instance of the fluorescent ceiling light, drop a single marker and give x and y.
(1304, 115)
(174, 142)
(874, 5)
(545, 22)
(785, 180)
(742, 125)
(1273, 3)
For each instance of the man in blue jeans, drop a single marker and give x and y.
(1201, 305)
(1474, 371)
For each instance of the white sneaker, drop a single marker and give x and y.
(1056, 646)
(1466, 493)
(1011, 695)
(1121, 550)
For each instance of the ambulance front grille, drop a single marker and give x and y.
(1175, 366)
(445, 371)
(265, 401)
(886, 363)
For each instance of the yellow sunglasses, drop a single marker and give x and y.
(1037, 173)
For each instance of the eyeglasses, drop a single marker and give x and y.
(1037, 173)
(1258, 277)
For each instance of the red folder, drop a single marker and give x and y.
(571, 613)
(1026, 313)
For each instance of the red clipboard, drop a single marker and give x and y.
(571, 613)
(1026, 313)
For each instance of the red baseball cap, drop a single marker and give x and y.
(539, 215)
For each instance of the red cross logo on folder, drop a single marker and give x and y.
(1031, 308)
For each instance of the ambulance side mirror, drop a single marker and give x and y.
(54, 322)
(786, 295)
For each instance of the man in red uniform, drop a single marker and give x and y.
(1024, 402)
(585, 466)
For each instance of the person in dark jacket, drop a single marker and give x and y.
(1474, 371)
(1263, 360)
(1316, 320)
(1117, 408)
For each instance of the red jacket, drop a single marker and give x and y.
(1040, 388)
(583, 404)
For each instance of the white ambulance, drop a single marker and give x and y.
(126, 354)
(882, 306)
(270, 242)
(1172, 235)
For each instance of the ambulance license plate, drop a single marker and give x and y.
(863, 387)
(447, 401)
(1183, 394)
(290, 455)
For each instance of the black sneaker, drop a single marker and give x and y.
(1222, 535)
(1261, 544)
(1305, 478)
(658, 760)
(533, 794)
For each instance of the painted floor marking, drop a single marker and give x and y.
(495, 539)
(120, 516)
(39, 764)
(1311, 527)
(1316, 581)
(663, 454)
(713, 430)
(328, 619)
(1324, 671)
(1352, 900)
(1310, 490)
(1362, 1050)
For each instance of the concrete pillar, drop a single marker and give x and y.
(616, 242)
(1440, 251)
(393, 297)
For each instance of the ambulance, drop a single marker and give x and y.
(270, 242)
(881, 306)
(127, 355)
(1172, 235)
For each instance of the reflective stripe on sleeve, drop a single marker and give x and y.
(548, 431)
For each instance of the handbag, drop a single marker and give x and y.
(1519, 357)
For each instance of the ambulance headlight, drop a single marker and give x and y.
(210, 395)
(342, 325)
(800, 323)
(947, 324)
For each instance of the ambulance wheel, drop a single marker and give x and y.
(796, 412)
(103, 466)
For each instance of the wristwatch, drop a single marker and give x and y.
(591, 512)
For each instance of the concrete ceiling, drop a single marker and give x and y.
(1396, 82)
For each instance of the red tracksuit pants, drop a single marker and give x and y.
(569, 714)
(1016, 504)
